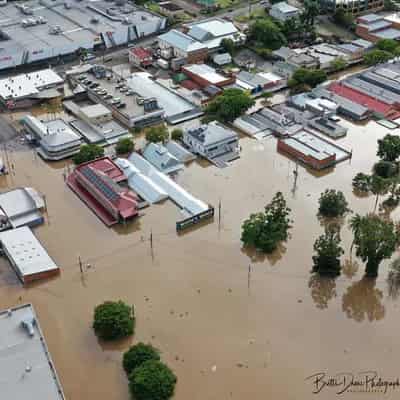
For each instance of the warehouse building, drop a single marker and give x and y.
(312, 150)
(374, 27)
(26, 255)
(21, 207)
(205, 75)
(39, 30)
(283, 11)
(27, 369)
(56, 139)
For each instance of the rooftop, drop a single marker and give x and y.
(212, 133)
(29, 84)
(181, 41)
(95, 110)
(205, 72)
(26, 253)
(27, 369)
(284, 7)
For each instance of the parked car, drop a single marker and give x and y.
(94, 85)
(88, 57)
(123, 89)
(121, 105)
(82, 78)
(108, 96)
(130, 92)
(115, 100)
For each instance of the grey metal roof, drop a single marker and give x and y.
(371, 17)
(363, 43)
(161, 158)
(390, 33)
(181, 41)
(27, 370)
(284, 7)
(211, 134)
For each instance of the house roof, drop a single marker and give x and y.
(205, 72)
(161, 158)
(214, 27)
(284, 7)
(141, 52)
(221, 59)
(212, 133)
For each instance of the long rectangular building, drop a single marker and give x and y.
(27, 369)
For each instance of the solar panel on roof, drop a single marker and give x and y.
(97, 181)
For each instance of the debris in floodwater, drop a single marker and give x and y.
(230, 290)
(299, 300)
(198, 290)
(213, 368)
(239, 365)
(172, 312)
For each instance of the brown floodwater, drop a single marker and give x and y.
(232, 324)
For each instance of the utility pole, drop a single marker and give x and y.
(295, 174)
(80, 264)
(219, 215)
(248, 278)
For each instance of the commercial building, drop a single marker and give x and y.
(176, 44)
(27, 369)
(283, 11)
(95, 124)
(26, 255)
(21, 207)
(374, 27)
(260, 82)
(24, 90)
(170, 9)
(140, 57)
(39, 30)
(205, 75)
(312, 150)
(214, 142)
(210, 32)
(175, 107)
(159, 156)
(354, 7)
(96, 184)
(55, 138)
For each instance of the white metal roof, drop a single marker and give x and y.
(206, 72)
(95, 111)
(29, 84)
(26, 252)
(179, 195)
(27, 370)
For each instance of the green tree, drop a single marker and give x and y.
(153, 380)
(88, 152)
(375, 240)
(229, 46)
(228, 106)
(332, 204)
(389, 45)
(362, 182)
(338, 64)
(309, 77)
(328, 251)
(265, 230)
(124, 146)
(389, 148)
(113, 320)
(177, 134)
(343, 18)
(385, 169)
(377, 56)
(379, 187)
(137, 355)
(157, 134)
(266, 33)
(311, 10)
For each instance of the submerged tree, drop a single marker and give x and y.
(379, 187)
(375, 240)
(328, 251)
(265, 230)
(332, 203)
(88, 152)
(361, 182)
(137, 355)
(389, 148)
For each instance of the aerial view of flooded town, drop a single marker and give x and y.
(199, 199)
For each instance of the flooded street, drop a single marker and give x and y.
(231, 324)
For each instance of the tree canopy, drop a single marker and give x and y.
(309, 77)
(375, 240)
(88, 152)
(389, 45)
(311, 10)
(113, 320)
(229, 105)
(377, 56)
(332, 203)
(265, 230)
(177, 134)
(229, 46)
(328, 251)
(267, 34)
(156, 134)
(389, 148)
(124, 146)
(152, 380)
(137, 355)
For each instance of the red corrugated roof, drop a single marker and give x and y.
(361, 98)
(141, 52)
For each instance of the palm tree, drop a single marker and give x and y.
(379, 186)
(355, 224)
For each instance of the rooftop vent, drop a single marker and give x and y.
(28, 324)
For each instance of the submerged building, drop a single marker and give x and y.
(27, 256)
(96, 184)
(27, 369)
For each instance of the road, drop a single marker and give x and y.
(7, 131)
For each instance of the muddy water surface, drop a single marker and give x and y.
(232, 324)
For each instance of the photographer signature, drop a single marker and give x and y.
(345, 382)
